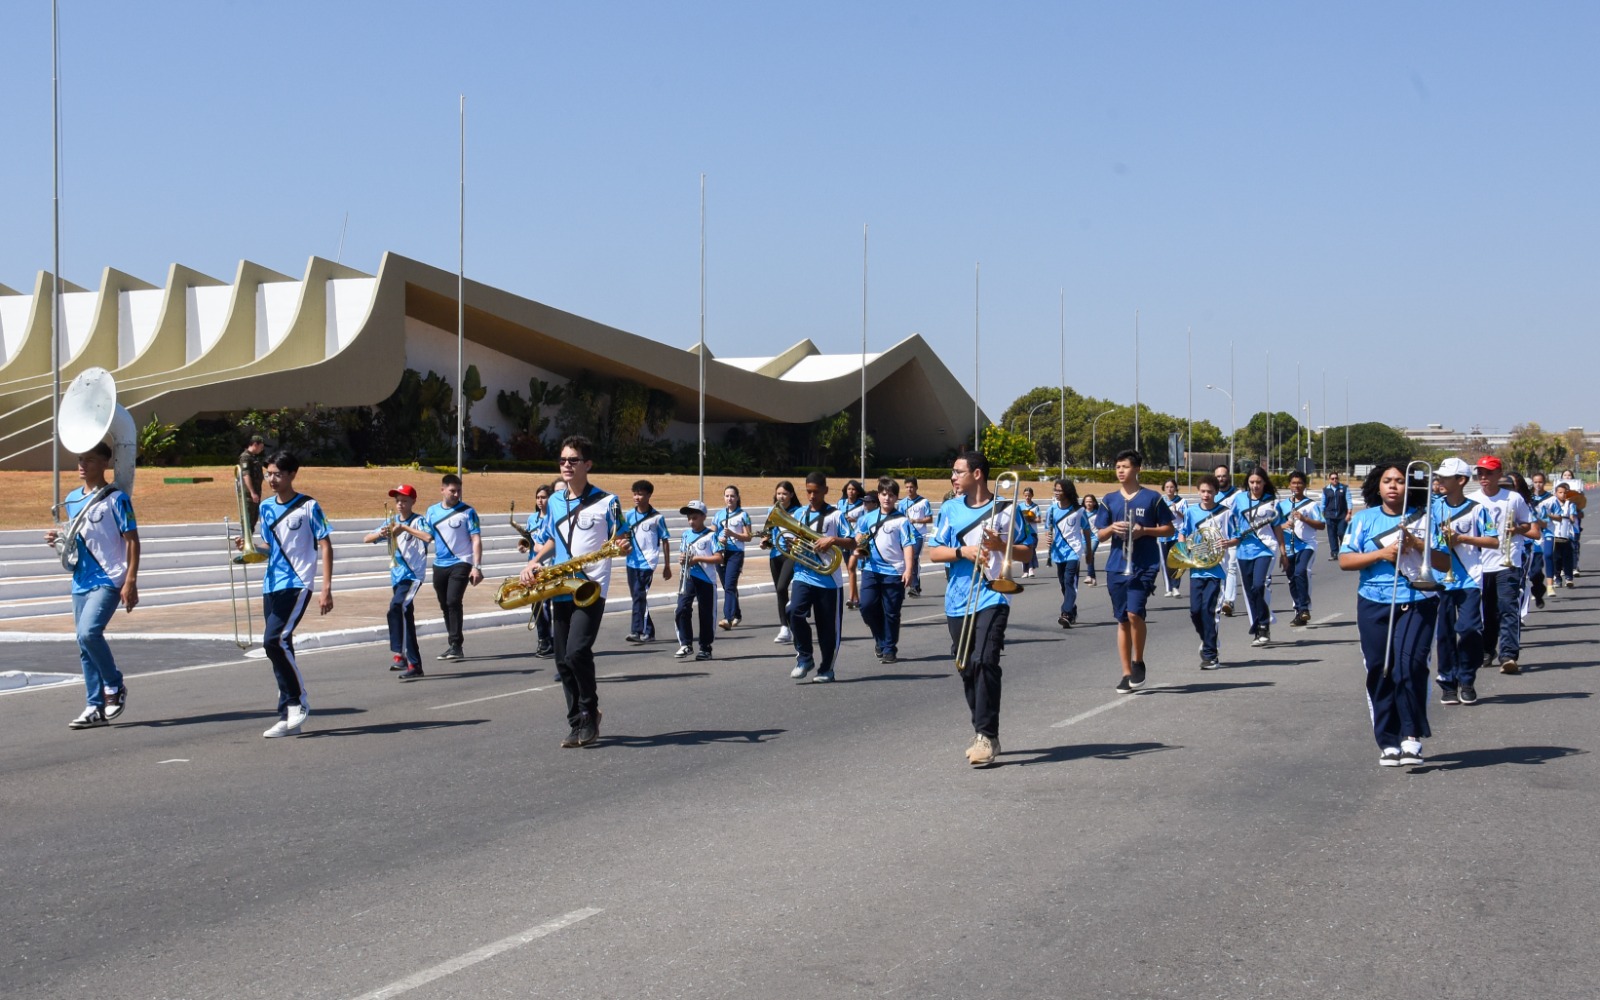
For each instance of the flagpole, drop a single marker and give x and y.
(977, 355)
(702, 338)
(863, 354)
(1062, 440)
(1188, 445)
(55, 277)
(461, 299)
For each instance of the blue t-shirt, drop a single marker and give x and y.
(1146, 509)
(959, 525)
(887, 536)
(291, 531)
(1218, 518)
(102, 551)
(647, 529)
(1066, 525)
(701, 543)
(410, 559)
(1259, 515)
(728, 521)
(1370, 530)
(452, 528)
(580, 526)
(827, 521)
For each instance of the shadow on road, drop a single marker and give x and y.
(431, 675)
(1078, 751)
(384, 728)
(1532, 696)
(1540, 666)
(1203, 687)
(631, 678)
(894, 677)
(692, 738)
(1273, 663)
(1495, 756)
(201, 720)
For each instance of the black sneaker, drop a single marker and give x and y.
(1449, 694)
(1209, 663)
(704, 654)
(398, 663)
(1065, 621)
(1072, 616)
(1300, 618)
(1137, 679)
(412, 672)
(588, 729)
(1468, 695)
(572, 738)
(1538, 600)
(889, 658)
(453, 653)
(1390, 757)
(544, 652)
(115, 702)
(631, 637)
(1123, 686)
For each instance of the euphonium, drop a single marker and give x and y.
(559, 580)
(799, 545)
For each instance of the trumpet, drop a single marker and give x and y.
(389, 523)
(799, 544)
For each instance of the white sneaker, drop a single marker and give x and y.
(784, 636)
(297, 717)
(93, 715)
(682, 652)
(1411, 752)
(279, 728)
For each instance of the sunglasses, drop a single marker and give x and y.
(569, 460)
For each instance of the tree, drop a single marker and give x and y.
(1115, 430)
(1005, 448)
(1532, 449)
(1371, 443)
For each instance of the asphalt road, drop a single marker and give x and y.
(735, 834)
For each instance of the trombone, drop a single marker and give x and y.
(1423, 580)
(233, 590)
(1002, 584)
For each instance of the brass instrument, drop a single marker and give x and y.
(559, 580)
(89, 415)
(527, 536)
(1203, 551)
(1002, 584)
(1508, 534)
(247, 638)
(389, 523)
(799, 545)
(249, 552)
(1422, 579)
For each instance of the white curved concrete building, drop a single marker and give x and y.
(340, 337)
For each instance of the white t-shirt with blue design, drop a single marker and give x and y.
(102, 551)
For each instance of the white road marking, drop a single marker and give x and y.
(509, 694)
(1108, 706)
(475, 956)
(174, 760)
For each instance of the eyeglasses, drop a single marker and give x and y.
(569, 459)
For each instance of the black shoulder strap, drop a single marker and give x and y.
(299, 499)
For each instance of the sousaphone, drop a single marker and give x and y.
(90, 414)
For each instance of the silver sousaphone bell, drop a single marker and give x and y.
(89, 414)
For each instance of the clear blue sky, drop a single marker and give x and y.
(1399, 194)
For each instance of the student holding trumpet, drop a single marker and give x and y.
(1138, 518)
(408, 564)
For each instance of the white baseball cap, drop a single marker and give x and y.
(1453, 467)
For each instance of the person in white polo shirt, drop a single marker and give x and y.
(457, 554)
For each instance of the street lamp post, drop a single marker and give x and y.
(1232, 423)
(1094, 439)
(1031, 412)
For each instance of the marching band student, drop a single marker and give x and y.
(1335, 512)
(1095, 517)
(1397, 687)
(408, 564)
(106, 577)
(583, 518)
(647, 530)
(814, 591)
(1138, 518)
(733, 531)
(1030, 513)
(1176, 504)
(1205, 584)
(457, 554)
(701, 553)
(853, 504)
(1564, 515)
(920, 511)
(1302, 519)
(1260, 538)
(1540, 558)
(1502, 577)
(1465, 530)
(969, 539)
(537, 527)
(1230, 580)
(1065, 521)
(296, 533)
(783, 498)
(885, 546)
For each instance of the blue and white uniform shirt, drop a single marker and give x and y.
(1372, 529)
(777, 538)
(647, 529)
(1146, 509)
(1565, 529)
(102, 551)
(1217, 519)
(883, 539)
(1066, 525)
(827, 521)
(538, 529)
(1541, 504)
(410, 560)
(728, 521)
(291, 531)
(1261, 515)
(452, 528)
(1298, 536)
(580, 525)
(916, 510)
(1467, 560)
(960, 525)
(1509, 511)
(701, 543)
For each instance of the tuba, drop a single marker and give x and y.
(90, 415)
(798, 543)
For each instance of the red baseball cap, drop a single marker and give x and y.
(1489, 462)
(411, 491)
